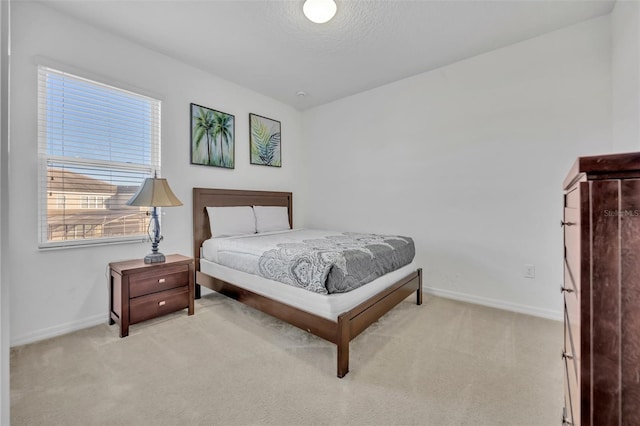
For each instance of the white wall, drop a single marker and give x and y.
(4, 208)
(625, 66)
(469, 160)
(56, 291)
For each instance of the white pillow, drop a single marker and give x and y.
(229, 221)
(270, 218)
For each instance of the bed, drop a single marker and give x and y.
(338, 328)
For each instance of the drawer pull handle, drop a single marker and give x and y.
(563, 223)
(161, 280)
(162, 303)
(566, 355)
(568, 290)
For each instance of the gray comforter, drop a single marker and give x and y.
(336, 263)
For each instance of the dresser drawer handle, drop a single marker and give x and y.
(563, 223)
(566, 355)
(161, 280)
(162, 303)
(568, 290)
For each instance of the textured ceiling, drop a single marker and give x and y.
(270, 47)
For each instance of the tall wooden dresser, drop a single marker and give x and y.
(602, 291)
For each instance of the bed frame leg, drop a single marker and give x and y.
(343, 345)
(419, 292)
(197, 291)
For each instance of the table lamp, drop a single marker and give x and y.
(154, 192)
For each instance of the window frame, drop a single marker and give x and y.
(45, 159)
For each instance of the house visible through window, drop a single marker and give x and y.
(96, 144)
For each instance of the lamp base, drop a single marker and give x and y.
(154, 258)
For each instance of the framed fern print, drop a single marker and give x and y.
(264, 141)
(212, 137)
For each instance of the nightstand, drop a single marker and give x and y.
(139, 291)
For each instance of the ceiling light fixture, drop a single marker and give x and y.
(319, 11)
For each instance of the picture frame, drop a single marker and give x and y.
(265, 141)
(212, 139)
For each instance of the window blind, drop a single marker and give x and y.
(96, 145)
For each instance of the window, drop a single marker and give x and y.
(61, 201)
(96, 145)
(93, 201)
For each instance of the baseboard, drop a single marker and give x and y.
(58, 330)
(494, 303)
(69, 327)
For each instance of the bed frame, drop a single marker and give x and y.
(340, 332)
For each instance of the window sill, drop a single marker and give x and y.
(93, 243)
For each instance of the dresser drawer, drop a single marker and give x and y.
(571, 274)
(572, 357)
(158, 280)
(156, 304)
(572, 198)
(572, 326)
(572, 249)
(571, 394)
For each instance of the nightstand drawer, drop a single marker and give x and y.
(156, 304)
(164, 279)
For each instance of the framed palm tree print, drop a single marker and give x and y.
(212, 137)
(264, 140)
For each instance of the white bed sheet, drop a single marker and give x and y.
(232, 251)
(328, 306)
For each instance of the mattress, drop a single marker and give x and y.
(328, 306)
(320, 261)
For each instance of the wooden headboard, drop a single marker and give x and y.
(207, 197)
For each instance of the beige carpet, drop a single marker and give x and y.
(442, 363)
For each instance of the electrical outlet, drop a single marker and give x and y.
(529, 271)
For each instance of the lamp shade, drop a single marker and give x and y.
(154, 192)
